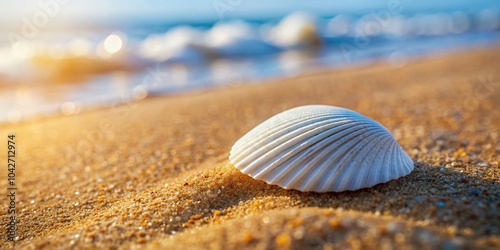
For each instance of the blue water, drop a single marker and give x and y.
(214, 51)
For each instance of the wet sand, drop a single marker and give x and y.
(155, 174)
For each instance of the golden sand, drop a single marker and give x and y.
(155, 174)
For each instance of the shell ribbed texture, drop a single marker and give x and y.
(320, 148)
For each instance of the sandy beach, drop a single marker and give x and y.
(154, 174)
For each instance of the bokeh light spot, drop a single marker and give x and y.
(68, 108)
(113, 43)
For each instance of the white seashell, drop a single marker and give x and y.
(320, 148)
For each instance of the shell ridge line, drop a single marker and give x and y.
(387, 173)
(384, 164)
(271, 130)
(281, 159)
(283, 120)
(341, 171)
(408, 160)
(405, 165)
(319, 146)
(331, 162)
(308, 137)
(396, 165)
(402, 156)
(331, 145)
(331, 174)
(256, 146)
(259, 148)
(257, 134)
(371, 178)
(283, 142)
(376, 123)
(277, 136)
(322, 149)
(295, 160)
(325, 165)
(365, 168)
(384, 175)
(380, 132)
(271, 137)
(342, 175)
(271, 150)
(271, 125)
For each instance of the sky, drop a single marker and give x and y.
(14, 13)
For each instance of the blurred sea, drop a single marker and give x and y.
(105, 63)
